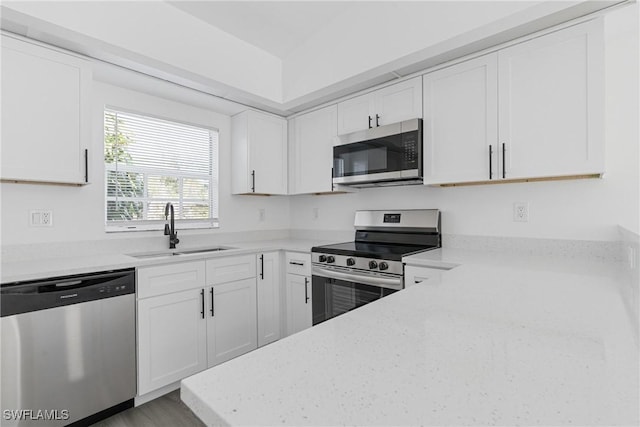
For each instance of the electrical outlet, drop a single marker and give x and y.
(41, 218)
(315, 213)
(521, 212)
(46, 219)
(261, 214)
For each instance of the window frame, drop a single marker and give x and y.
(154, 225)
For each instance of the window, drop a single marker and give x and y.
(149, 162)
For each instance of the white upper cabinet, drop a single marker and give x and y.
(355, 114)
(45, 114)
(258, 153)
(312, 136)
(551, 95)
(395, 103)
(532, 110)
(460, 122)
(391, 104)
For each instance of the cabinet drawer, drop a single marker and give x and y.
(166, 279)
(298, 263)
(223, 270)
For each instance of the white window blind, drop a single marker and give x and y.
(149, 162)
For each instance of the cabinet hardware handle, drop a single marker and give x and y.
(306, 293)
(377, 118)
(262, 267)
(504, 160)
(86, 165)
(331, 179)
(253, 181)
(202, 301)
(296, 263)
(370, 122)
(490, 162)
(211, 292)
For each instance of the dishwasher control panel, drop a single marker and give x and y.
(24, 297)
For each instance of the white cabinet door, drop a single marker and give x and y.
(461, 122)
(391, 104)
(311, 151)
(172, 338)
(551, 104)
(398, 102)
(45, 114)
(258, 153)
(268, 152)
(231, 320)
(356, 114)
(299, 315)
(268, 294)
(415, 275)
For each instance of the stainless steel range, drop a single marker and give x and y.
(348, 275)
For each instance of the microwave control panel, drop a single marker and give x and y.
(411, 150)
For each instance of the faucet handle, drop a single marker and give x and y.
(167, 230)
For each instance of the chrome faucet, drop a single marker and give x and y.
(170, 230)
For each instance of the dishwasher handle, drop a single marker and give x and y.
(24, 297)
(108, 280)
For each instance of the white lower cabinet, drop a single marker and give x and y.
(299, 316)
(231, 320)
(172, 331)
(298, 292)
(268, 297)
(194, 315)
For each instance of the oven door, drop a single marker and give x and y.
(336, 291)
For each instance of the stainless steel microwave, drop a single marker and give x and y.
(381, 156)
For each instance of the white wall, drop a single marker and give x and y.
(370, 34)
(581, 209)
(156, 31)
(78, 212)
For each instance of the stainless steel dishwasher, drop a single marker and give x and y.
(68, 349)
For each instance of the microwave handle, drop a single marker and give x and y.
(331, 179)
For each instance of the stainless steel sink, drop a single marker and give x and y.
(154, 255)
(186, 252)
(198, 251)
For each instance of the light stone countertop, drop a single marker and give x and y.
(63, 266)
(446, 258)
(499, 340)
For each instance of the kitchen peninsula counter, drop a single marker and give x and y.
(488, 344)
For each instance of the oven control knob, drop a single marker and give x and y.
(373, 264)
(383, 266)
(330, 259)
(351, 261)
(322, 258)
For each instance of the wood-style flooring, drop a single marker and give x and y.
(167, 410)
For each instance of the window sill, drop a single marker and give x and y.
(159, 226)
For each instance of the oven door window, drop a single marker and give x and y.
(333, 297)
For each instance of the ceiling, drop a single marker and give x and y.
(277, 27)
